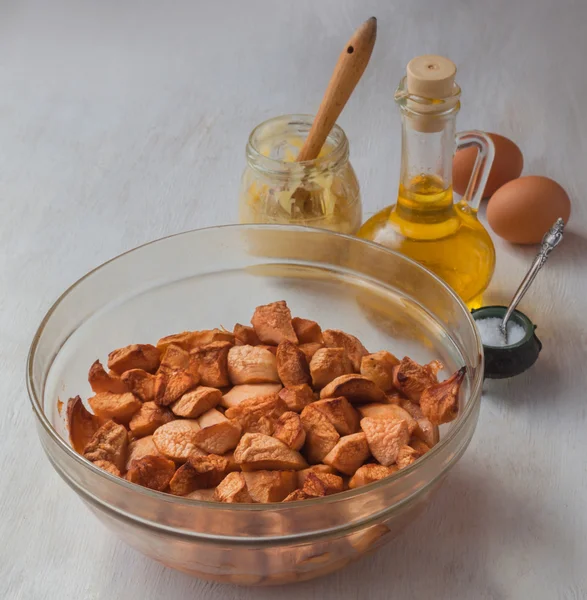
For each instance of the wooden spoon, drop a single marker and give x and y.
(347, 72)
(351, 65)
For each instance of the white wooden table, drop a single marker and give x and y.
(121, 122)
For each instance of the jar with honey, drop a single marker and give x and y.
(425, 223)
(276, 188)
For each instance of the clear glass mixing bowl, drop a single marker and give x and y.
(210, 277)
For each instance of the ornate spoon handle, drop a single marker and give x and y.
(551, 239)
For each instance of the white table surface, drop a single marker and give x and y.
(121, 122)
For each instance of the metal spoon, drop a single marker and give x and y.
(551, 239)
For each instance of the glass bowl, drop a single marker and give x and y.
(217, 276)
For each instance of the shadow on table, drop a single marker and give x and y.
(447, 549)
(456, 546)
(570, 252)
(573, 246)
(440, 551)
(544, 377)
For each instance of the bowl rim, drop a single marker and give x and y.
(463, 418)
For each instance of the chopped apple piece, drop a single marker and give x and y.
(370, 473)
(197, 402)
(211, 363)
(169, 387)
(232, 489)
(142, 447)
(297, 397)
(270, 486)
(257, 452)
(378, 409)
(114, 406)
(217, 434)
(245, 336)
(406, 456)
(378, 367)
(292, 366)
(183, 340)
(135, 356)
(177, 440)
(327, 364)
(321, 435)
(427, 432)
(273, 323)
(419, 446)
(240, 393)
(350, 452)
(411, 407)
(206, 495)
(303, 474)
(411, 379)
(310, 349)
(440, 402)
(148, 418)
(340, 413)
(188, 340)
(140, 383)
(258, 415)
(290, 431)
(297, 495)
(322, 484)
(307, 332)
(109, 443)
(197, 473)
(355, 388)
(232, 464)
(101, 381)
(385, 436)
(175, 358)
(334, 338)
(153, 472)
(82, 424)
(252, 364)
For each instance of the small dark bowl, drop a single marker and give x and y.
(509, 361)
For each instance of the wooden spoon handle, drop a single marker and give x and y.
(349, 69)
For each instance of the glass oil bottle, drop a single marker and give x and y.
(425, 223)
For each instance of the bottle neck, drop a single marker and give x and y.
(428, 144)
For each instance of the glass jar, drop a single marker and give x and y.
(276, 189)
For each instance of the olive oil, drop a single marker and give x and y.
(446, 238)
(425, 223)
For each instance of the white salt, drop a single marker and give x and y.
(492, 336)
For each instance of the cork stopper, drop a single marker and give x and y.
(431, 76)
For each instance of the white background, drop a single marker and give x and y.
(121, 122)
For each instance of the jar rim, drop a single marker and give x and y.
(338, 153)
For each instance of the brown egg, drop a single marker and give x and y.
(524, 209)
(507, 165)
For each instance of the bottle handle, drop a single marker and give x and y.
(485, 155)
